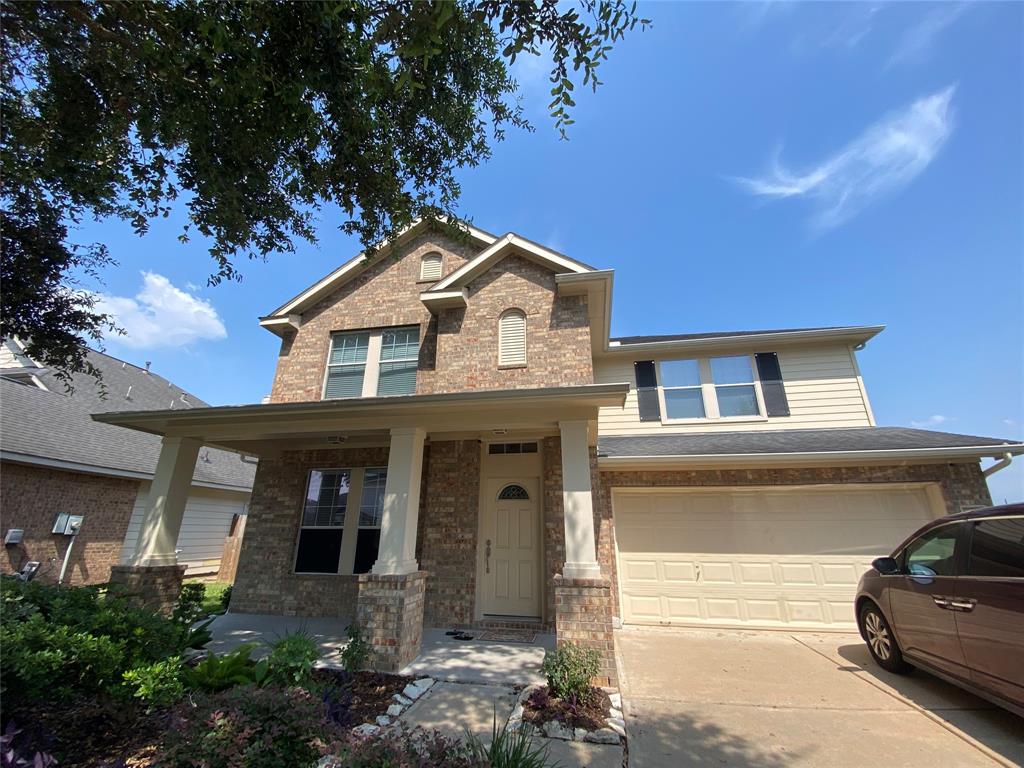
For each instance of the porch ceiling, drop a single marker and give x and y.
(269, 428)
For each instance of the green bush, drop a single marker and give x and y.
(357, 652)
(247, 727)
(158, 684)
(224, 601)
(569, 670)
(508, 749)
(218, 673)
(291, 659)
(189, 607)
(416, 749)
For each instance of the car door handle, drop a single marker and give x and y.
(941, 601)
(965, 605)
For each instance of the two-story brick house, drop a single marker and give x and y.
(453, 439)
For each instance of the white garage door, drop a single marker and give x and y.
(756, 557)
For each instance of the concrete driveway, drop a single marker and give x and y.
(767, 699)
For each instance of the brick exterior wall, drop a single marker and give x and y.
(390, 614)
(583, 616)
(459, 349)
(151, 586)
(265, 581)
(447, 538)
(557, 335)
(31, 498)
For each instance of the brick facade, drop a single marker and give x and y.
(583, 616)
(390, 614)
(151, 586)
(32, 496)
(447, 537)
(459, 348)
(265, 581)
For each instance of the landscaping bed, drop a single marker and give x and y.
(366, 695)
(590, 713)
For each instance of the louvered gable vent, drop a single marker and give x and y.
(430, 267)
(512, 338)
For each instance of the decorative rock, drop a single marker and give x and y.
(401, 700)
(619, 726)
(383, 720)
(615, 713)
(395, 710)
(555, 730)
(517, 713)
(579, 734)
(417, 688)
(366, 729)
(616, 700)
(603, 736)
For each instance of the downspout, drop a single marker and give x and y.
(1003, 463)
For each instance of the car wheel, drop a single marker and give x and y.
(881, 641)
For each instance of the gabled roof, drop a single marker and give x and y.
(354, 266)
(52, 428)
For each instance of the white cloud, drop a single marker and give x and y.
(161, 315)
(932, 421)
(887, 156)
(917, 41)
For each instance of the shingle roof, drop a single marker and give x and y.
(55, 425)
(715, 335)
(790, 441)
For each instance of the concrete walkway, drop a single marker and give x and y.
(705, 697)
(478, 661)
(231, 630)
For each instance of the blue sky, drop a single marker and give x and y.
(765, 165)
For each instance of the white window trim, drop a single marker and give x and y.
(349, 531)
(371, 370)
(710, 396)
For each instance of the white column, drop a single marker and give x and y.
(580, 547)
(165, 505)
(397, 553)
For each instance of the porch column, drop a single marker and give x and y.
(397, 552)
(153, 576)
(580, 546)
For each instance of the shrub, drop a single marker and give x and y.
(416, 749)
(218, 673)
(246, 727)
(225, 598)
(158, 684)
(189, 607)
(357, 652)
(291, 659)
(569, 670)
(508, 748)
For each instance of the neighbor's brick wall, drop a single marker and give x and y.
(265, 581)
(31, 497)
(385, 294)
(557, 334)
(447, 537)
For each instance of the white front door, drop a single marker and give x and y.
(511, 548)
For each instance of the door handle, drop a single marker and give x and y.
(966, 605)
(940, 601)
(487, 557)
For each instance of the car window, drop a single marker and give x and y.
(933, 554)
(997, 548)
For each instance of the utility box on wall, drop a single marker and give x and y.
(67, 525)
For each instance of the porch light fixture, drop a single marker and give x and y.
(499, 432)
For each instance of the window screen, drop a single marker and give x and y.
(399, 358)
(371, 511)
(323, 521)
(346, 366)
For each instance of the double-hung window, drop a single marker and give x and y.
(373, 363)
(710, 388)
(333, 540)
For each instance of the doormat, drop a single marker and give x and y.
(508, 635)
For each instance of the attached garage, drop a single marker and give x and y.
(757, 557)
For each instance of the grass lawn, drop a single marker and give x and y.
(214, 589)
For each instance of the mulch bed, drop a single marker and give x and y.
(371, 692)
(541, 707)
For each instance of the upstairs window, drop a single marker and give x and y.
(373, 363)
(512, 338)
(431, 267)
(710, 388)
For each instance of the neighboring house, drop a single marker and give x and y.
(453, 440)
(54, 459)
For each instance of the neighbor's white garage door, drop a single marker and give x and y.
(760, 557)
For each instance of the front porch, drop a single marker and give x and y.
(462, 535)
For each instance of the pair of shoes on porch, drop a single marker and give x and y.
(459, 634)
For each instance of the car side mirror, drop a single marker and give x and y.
(887, 566)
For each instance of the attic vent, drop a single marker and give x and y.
(430, 267)
(512, 338)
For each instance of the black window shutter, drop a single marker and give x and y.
(647, 390)
(774, 392)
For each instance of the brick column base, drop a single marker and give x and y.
(151, 586)
(583, 616)
(389, 611)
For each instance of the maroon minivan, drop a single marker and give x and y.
(950, 600)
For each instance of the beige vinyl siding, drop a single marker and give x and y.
(208, 515)
(821, 381)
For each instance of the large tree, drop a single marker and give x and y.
(255, 114)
